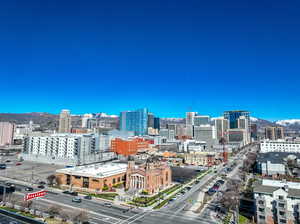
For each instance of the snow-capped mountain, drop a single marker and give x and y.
(288, 122)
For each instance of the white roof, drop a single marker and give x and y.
(100, 170)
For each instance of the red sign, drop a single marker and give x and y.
(31, 196)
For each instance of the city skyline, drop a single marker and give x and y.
(171, 57)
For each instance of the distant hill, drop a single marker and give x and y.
(45, 120)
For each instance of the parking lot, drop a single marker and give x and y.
(25, 170)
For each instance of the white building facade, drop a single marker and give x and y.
(73, 149)
(279, 146)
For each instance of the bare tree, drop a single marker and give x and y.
(26, 204)
(81, 217)
(65, 214)
(51, 178)
(54, 210)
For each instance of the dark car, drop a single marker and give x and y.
(74, 193)
(66, 192)
(2, 166)
(42, 182)
(221, 181)
(107, 204)
(9, 184)
(41, 186)
(88, 197)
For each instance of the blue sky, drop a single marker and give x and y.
(170, 56)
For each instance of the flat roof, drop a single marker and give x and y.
(99, 170)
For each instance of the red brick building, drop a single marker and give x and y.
(152, 176)
(128, 147)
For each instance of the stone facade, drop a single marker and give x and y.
(151, 176)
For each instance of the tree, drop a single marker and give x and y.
(65, 215)
(51, 178)
(54, 210)
(26, 204)
(81, 217)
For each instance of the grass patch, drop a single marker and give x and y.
(243, 220)
(107, 196)
(19, 212)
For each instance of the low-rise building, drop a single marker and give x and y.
(128, 147)
(199, 158)
(279, 146)
(277, 201)
(274, 163)
(95, 177)
(152, 176)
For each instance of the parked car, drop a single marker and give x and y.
(9, 184)
(221, 181)
(28, 189)
(107, 204)
(18, 164)
(41, 186)
(76, 199)
(2, 166)
(88, 197)
(42, 182)
(74, 193)
(8, 161)
(66, 192)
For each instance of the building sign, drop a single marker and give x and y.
(31, 196)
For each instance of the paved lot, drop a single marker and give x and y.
(27, 170)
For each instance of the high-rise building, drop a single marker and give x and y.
(233, 116)
(189, 120)
(201, 120)
(205, 133)
(157, 123)
(221, 126)
(150, 120)
(136, 121)
(254, 131)
(64, 122)
(84, 120)
(274, 133)
(6, 133)
(239, 119)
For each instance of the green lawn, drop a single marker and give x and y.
(243, 220)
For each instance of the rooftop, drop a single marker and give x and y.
(99, 170)
(275, 157)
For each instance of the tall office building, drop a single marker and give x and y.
(233, 116)
(239, 119)
(205, 133)
(150, 120)
(157, 123)
(201, 120)
(64, 122)
(189, 119)
(6, 133)
(221, 126)
(274, 133)
(136, 121)
(84, 120)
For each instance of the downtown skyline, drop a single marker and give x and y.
(170, 57)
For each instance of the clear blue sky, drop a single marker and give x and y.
(170, 56)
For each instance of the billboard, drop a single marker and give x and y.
(33, 195)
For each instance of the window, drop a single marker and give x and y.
(261, 202)
(261, 209)
(281, 213)
(119, 179)
(261, 217)
(281, 205)
(114, 180)
(282, 221)
(280, 197)
(68, 179)
(95, 180)
(85, 182)
(77, 177)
